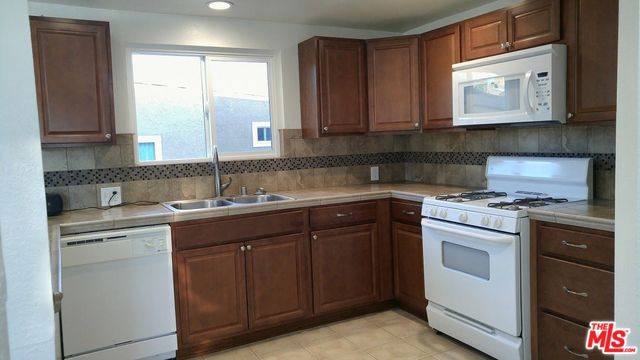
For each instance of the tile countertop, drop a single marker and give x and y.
(594, 214)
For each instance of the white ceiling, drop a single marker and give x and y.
(389, 15)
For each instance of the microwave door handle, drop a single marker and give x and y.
(527, 101)
(499, 239)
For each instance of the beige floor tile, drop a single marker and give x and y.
(461, 353)
(396, 350)
(242, 353)
(404, 327)
(333, 347)
(431, 343)
(370, 337)
(385, 317)
(311, 336)
(356, 355)
(354, 326)
(279, 344)
(298, 354)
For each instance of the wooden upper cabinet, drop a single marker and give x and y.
(484, 35)
(533, 23)
(591, 34)
(345, 267)
(393, 82)
(529, 24)
(212, 300)
(72, 60)
(440, 49)
(333, 86)
(278, 280)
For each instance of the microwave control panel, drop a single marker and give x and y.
(543, 91)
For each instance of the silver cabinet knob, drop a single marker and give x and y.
(507, 44)
(326, 128)
(569, 115)
(314, 237)
(503, 45)
(416, 125)
(243, 248)
(249, 247)
(107, 136)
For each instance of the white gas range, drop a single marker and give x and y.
(476, 250)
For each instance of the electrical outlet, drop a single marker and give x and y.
(106, 193)
(375, 173)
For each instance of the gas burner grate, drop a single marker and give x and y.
(518, 204)
(470, 196)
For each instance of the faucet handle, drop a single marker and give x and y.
(260, 191)
(243, 190)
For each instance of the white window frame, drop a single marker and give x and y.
(255, 125)
(157, 144)
(271, 58)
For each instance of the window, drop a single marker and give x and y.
(187, 103)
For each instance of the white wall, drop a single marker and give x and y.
(129, 27)
(627, 258)
(483, 9)
(23, 221)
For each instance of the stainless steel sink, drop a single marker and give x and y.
(188, 205)
(256, 199)
(185, 205)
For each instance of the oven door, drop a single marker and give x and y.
(474, 273)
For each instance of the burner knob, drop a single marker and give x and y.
(463, 217)
(433, 212)
(497, 223)
(443, 214)
(485, 220)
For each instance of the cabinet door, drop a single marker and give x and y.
(394, 100)
(343, 89)
(534, 23)
(72, 61)
(408, 267)
(440, 50)
(278, 280)
(212, 299)
(345, 267)
(484, 35)
(591, 34)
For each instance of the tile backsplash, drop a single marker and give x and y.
(453, 157)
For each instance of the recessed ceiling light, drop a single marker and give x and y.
(219, 5)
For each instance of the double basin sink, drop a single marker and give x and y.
(186, 205)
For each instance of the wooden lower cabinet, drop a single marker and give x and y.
(211, 293)
(345, 267)
(408, 267)
(278, 280)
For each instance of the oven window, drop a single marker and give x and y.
(492, 95)
(465, 259)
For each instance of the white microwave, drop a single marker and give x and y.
(523, 86)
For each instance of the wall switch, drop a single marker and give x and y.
(106, 193)
(375, 173)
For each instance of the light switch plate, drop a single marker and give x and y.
(375, 173)
(106, 193)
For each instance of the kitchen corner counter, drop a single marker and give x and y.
(595, 214)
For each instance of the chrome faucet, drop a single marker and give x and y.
(217, 179)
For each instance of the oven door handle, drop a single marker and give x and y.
(499, 239)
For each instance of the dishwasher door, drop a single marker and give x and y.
(118, 294)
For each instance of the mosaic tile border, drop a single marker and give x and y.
(155, 172)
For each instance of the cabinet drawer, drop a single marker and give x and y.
(577, 291)
(341, 215)
(194, 235)
(582, 246)
(559, 338)
(406, 212)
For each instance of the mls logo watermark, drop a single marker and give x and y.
(610, 340)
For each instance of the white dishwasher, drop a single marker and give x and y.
(118, 295)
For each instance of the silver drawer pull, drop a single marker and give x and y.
(584, 356)
(406, 212)
(343, 214)
(580, 246)
(583, 294)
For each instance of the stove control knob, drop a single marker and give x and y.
(443, 214)
(463, 217)
(485, 221)
(433, 212)
(497, 223)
